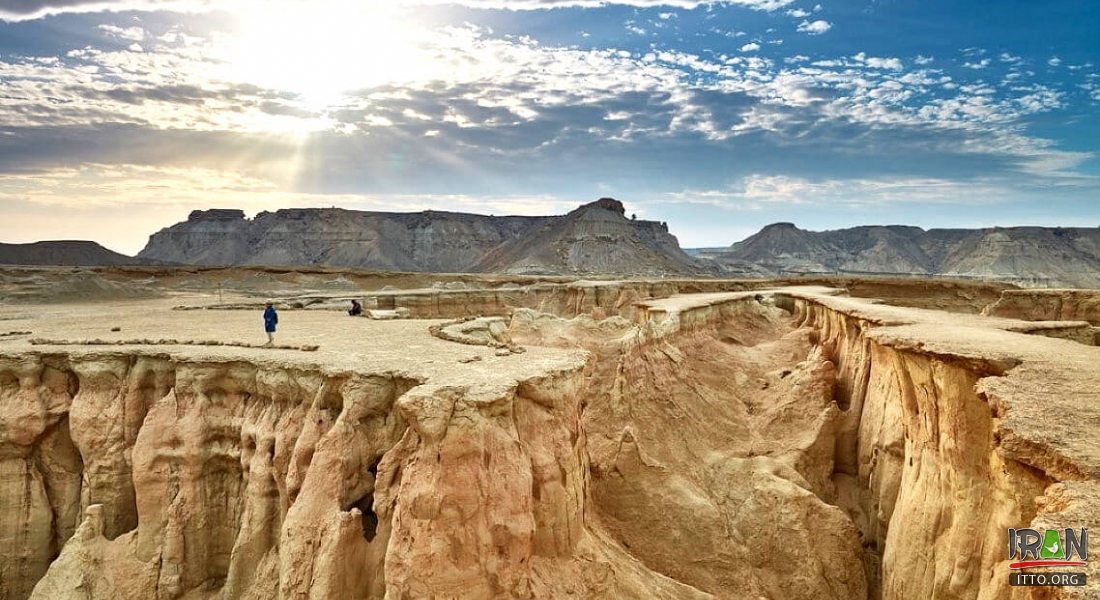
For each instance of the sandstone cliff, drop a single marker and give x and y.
(596, 238)
(783, 443)
(1047, 305)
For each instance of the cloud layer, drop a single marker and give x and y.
(16, 10)
(155, 111)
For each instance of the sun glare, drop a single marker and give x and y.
(322, 50)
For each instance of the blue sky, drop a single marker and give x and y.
(118, 117)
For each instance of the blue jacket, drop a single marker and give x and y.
(271, 318)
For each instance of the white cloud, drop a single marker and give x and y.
(817, 27)
(1054, 61)
(798, 13)
(923, 60)
(33, 9)
(1039, 102)
(760, 192)
(175, 88)
(733, 33)
(985, 62)
(875, 62)
(536, 96)
(134, 34)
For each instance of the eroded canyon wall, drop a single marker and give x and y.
(922, 473)
(235, 480)
(776, 444)
(918, 455)
(711, 436)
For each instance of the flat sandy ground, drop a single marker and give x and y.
(345, 343)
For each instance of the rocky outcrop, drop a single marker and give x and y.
(1028, 256)
(428, 241)
(714, 466)
(933, 445)
(919, 467)
(569, 299)
(772, 443)
(595, 238)
(60, 285)
(1047, 305)
(69, 253)
(134, 476)
(711, 447)
(947, 443)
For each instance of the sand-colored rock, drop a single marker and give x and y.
(1047, 305)
(275, 476)
(779, 443)
(692, 429)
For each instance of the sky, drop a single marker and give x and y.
(119, 117)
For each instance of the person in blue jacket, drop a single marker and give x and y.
(271, 319)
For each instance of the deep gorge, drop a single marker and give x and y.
(765, 443)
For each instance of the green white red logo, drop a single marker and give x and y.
(1048, 548)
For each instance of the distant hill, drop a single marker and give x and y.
(67, 253)
(597, 238)
(1033, 256)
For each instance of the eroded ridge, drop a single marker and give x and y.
(217, 474)
(771, 443)
(953, 428)
(186, 472)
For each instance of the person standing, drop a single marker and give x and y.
(271, 319)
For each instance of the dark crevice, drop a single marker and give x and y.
(367, 516)
(366, 505)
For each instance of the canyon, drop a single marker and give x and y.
(510, 437)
